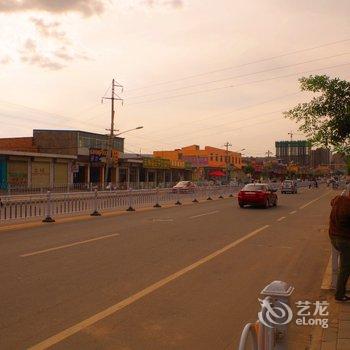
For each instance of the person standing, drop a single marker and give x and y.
(339, 233)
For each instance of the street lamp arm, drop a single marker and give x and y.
(123, 132)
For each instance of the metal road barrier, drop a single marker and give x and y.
(270, 331)
(49, 205)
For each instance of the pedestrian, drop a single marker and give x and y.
(339, 233)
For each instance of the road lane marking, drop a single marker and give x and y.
(314, 200)
(199, 215)
(162, 220)
(292, 212)
(68, 245)
(45, 344)
(281, 218)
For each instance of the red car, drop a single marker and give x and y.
(184, 187)
(257, 195)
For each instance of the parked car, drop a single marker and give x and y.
(257, 194)
(289, 186)
(184, 187)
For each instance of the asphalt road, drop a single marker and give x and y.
(185, 277)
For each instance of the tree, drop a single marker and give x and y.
(248, 169)
(326, 118)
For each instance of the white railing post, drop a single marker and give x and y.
(95, 203)
(157, 205)
(195, 200)
(48, 217)
(270, 332)
(209, 198)
(131, 208)
(220, 188)
(178, 197)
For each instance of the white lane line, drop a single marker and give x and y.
(68, 245)
(292, 212)
(199, 215)
(45, 344)
(314, 200)
(162, 220)
(281, 218)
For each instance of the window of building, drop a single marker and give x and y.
(216, 158)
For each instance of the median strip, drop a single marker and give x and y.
(68, 332)
(68, 245)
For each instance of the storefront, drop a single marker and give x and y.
(41, 172)
(35, 170)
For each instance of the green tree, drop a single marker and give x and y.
(248, 169)
(326, 118)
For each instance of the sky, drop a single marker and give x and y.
(199, 72)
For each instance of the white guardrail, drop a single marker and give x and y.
(50, 205)
(270, 331)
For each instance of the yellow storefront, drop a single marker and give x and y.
(41, 172)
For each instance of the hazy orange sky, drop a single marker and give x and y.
(194, 71)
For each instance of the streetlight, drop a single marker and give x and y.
(125, 131)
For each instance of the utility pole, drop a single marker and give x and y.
(268, 154)
(227, 145)
(114, 97)
(290, 148)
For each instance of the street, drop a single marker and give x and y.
(186, 277)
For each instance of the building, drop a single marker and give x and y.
(23, 144)
(90, 149)
(19, 170)
(205, 162)
(320, 157)
(296, 152)
(339, 164)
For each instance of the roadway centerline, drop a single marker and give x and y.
(281, 218)
(68, 332)
(292, 212)
(314, 200)
(68, 245)
(199, 215)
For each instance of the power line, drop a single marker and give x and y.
(241, 84)
(245, 64)
(215, 116)
(240, 76)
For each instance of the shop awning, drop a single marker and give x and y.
(217, 173)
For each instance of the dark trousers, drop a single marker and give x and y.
(343, 247)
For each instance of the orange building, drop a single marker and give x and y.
(204, 160)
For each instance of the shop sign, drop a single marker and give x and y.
(196, 161)
(178, 164)
(156, 163)
(97, 155)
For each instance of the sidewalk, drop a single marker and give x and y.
(337, 335)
